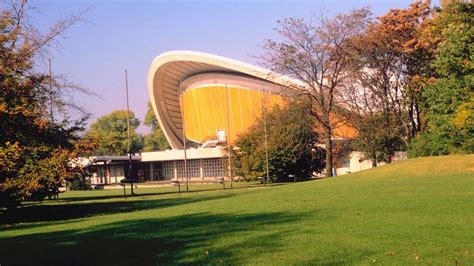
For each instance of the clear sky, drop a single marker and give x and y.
(119, 35)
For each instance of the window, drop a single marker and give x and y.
(221, 135)
(168, 171)
(192, 168)
(214, 167)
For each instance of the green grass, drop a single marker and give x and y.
(416, 211)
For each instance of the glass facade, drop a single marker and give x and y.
(197, 169)
(168, 170)
(193, 167)
(210, 168)
(214, 167)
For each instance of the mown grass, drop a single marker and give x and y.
(416, 211)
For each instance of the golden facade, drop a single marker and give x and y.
(230, 108)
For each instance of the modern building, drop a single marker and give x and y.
(202, 102)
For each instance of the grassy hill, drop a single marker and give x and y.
(415, 211)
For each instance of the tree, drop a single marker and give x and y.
(448, 2)
(379, 133)
(110, 132)
(403, 59)
(156, 140)
(450, 98)
(378, 137)
(317, 55)
(389, 67)
(291, 145)
(35, 146)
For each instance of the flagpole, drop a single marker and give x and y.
(51, 90)
(265, 135)
(129, 136)
(184, 143)
(227, 96)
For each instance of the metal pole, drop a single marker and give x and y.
(129, 141)
(51, 90)
(227, 96)
(266, 137)
(184, 144)
(186, 167)
(223, 181)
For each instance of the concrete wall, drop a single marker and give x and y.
(356, 162)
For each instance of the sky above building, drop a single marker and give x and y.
(119, 35)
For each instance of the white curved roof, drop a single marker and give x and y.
(169, 69)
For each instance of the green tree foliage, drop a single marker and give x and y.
(291, 139)
(379, 137)
(35, 147)
(79, 182)
(155, 140)
(110, 132)
(449, 99)
(150, 118)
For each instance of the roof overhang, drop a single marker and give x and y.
(170, 69)
(175, 155)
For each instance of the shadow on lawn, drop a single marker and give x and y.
(200, 238)
(65, 211)
(141, 193)
(73, 208)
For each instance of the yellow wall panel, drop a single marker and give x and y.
(233, 109)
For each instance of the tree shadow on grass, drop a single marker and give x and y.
(80, 207)
(200, 238)
(118, 196)
(142, 193)
(65, 211)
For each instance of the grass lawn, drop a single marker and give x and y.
(416, 211)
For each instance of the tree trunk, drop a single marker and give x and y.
(418, 118)
(374, 159)
(328, 155)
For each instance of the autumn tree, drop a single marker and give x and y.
(36, 138)
(445, 3)
(409, 58)
(155, 140)
(379, 134)
(316, 52)
(390, 65)
(110, 132)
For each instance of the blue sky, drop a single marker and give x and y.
(118, 35)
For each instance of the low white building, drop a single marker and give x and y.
(355, 162)
(201, 164)
(169, 165)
